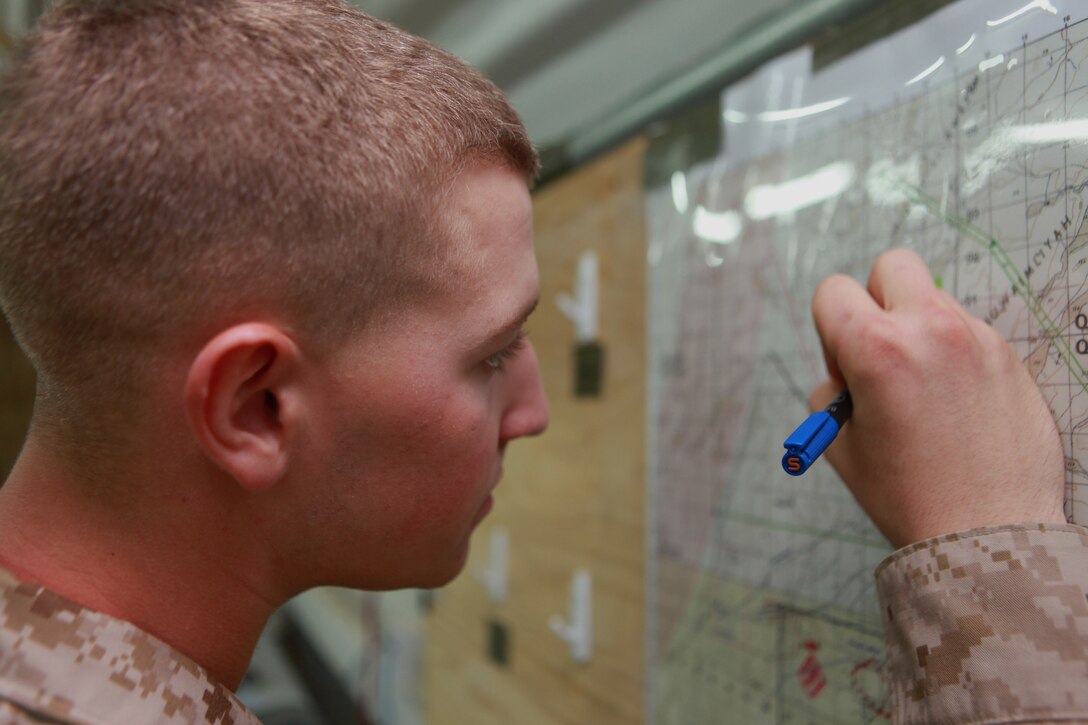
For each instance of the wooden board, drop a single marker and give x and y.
(573, 498)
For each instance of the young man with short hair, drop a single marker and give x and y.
(271, 260)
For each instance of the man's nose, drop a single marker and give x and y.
(527, 412)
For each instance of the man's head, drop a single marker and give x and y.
(278, 244)
(169, 166)
(408, 423)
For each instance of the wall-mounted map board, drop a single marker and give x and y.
(964, 137)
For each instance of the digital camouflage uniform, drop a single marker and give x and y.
(984, 626)
(62, 663)
(989, 626)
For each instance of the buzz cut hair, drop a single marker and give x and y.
(167, 166)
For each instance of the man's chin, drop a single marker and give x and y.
(457, 565)
(416, 572)
(440, 572)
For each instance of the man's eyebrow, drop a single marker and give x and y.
(517, 321)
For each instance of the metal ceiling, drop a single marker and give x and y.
(567, 63)
(583, 73)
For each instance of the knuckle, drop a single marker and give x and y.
(878, 349)
(992, 342)
(892, 259)
(825, 290)
(885, 259)
(947, 328)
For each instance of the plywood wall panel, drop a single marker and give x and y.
(572, 498)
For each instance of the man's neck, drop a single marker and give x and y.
(190, 578)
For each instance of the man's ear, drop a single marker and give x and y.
(241, 401)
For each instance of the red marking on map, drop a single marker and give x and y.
(869, 668)
(811, 672)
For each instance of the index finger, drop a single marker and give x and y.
(838, 305)
(900, 279)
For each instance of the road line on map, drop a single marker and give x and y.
(1050, 328)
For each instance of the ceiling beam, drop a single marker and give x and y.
(567, 27)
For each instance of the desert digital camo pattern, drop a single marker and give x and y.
(62, 663)
(989, 626)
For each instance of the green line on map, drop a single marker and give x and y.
(1011, 271)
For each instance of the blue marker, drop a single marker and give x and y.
(814, 435)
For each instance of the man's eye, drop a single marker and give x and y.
(497, 362)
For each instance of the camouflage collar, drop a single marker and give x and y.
(62, 662)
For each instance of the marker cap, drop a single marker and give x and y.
(809, 441)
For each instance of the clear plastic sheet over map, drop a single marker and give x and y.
(964, 137)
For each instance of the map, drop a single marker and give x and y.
(965, 138)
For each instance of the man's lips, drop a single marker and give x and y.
(489, 502)
(484, 510)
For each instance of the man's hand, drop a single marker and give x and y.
(949, 431)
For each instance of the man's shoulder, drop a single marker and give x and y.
(62, 662)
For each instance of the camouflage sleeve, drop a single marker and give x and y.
(989, 626)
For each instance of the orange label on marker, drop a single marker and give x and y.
(795, 464)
